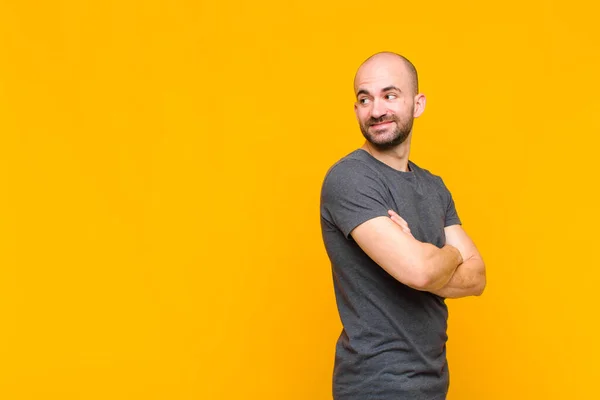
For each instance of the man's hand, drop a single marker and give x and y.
(400, 222)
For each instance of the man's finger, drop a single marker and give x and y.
(402, 226)
(399, 221)
(396, 218)
(395, 214)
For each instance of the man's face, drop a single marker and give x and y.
(385, 104)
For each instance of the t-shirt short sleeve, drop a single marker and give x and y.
(452, 217)
(352, 193)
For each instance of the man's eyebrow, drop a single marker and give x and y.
(388, 88)
(385, 89)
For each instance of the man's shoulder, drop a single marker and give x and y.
(353, 172)
(352, 163)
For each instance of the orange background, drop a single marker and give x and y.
(160, 168)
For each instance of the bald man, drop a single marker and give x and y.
(397, 248)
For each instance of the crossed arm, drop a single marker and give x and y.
(456, 270)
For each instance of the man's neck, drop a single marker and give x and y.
(396, 157)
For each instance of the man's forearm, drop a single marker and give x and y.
(468, 280)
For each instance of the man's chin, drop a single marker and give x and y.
(385, 143)
(382, 144)
(383, 138)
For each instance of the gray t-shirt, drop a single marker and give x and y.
(393, 342)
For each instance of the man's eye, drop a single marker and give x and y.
(391, 96)
(364, 100)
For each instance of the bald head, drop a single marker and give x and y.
(387, 62)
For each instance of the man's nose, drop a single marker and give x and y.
(379, 109)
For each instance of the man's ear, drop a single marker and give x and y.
(420, 101)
